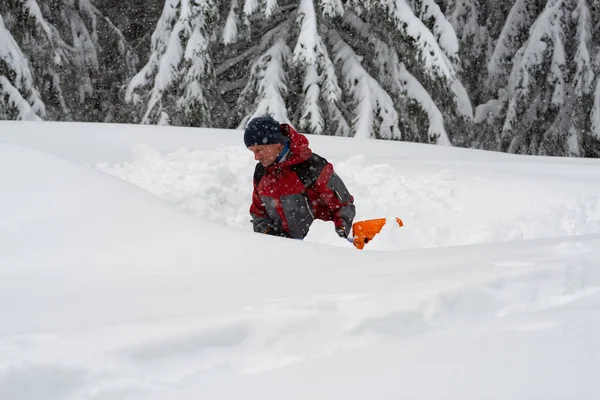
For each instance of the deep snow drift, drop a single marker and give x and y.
(128, 270)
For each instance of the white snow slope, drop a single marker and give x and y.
(129, 270)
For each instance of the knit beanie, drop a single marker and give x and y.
(263, 130)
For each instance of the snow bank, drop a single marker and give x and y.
(443, 207)
(113, 291)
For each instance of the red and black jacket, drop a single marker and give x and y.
(288, 196)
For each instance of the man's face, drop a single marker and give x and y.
(266, 154)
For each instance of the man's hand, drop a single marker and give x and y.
(343, 230)
(274, 231)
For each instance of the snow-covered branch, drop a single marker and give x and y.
(308, 44)
(178, 64)
(584, 73)
(428, 10)
(17, 91)
(267, 86)
(544, 46)
(595, 114)
(374, 113)
(522, 15)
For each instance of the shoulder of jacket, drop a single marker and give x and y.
(309, 170)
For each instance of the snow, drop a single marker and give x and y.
(557, 66)
(595, 114)
(230, 31)
(169, 62)
(311, 112)
(374, 110)
(13, 98)
(521, 16)
(269, 79)
(433, 57)
(165, 51)
(250, 6)
(194, 99)
(128, 270)
(32, 8)
(419, 94)
(442, 28)
(270, 6)
(584, 75)
(331, 8)
(308, 45)
(396, 80)
(330, 87)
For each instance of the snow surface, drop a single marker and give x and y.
(128, 270)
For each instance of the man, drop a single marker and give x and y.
(292, 185)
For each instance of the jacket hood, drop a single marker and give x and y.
(299, 150)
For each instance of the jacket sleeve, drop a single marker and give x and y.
(335, 195)
(260, 219)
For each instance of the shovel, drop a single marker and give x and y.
(364, 231)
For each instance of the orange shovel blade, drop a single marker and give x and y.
(364, 231)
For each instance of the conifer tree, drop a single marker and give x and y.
(383, 68)
(76, 55)
(19, 99)
(174, 86)
(544, 69)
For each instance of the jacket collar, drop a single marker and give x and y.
(299, 150)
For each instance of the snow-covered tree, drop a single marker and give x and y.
(135, 18)
(468, 19)
(379, 68)
(478, 25)
(591, 142)
(514, 34)
(76, 55)
(175, 85)
(19, 99)
(544, 102)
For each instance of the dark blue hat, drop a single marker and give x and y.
(263, 130)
